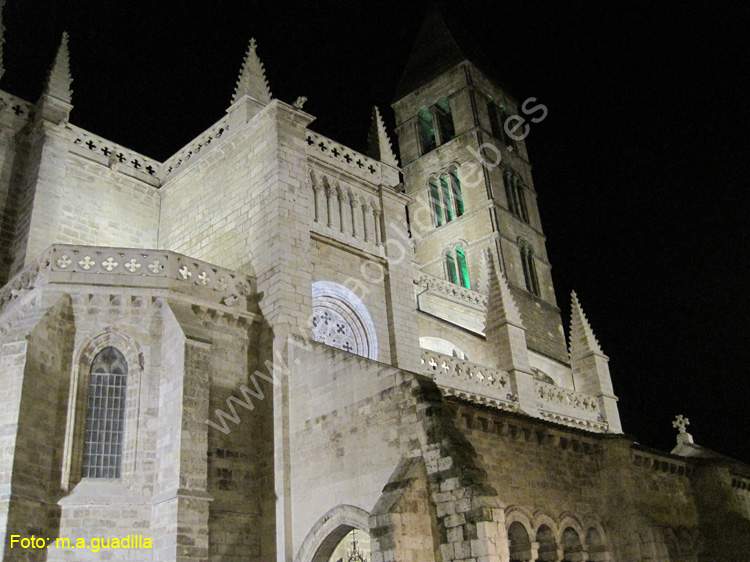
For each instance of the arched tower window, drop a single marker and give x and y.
(450, 266)
(437, 206)
(444, 118)
(446, 197)
(498, 116)
(435, 125)
(426, 125)
(529, 269)
(457, 268)
(105, 415)
(514, 193)
(458, 196)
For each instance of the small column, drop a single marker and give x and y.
(346, 212)
(318, 197)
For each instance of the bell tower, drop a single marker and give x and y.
(461, 140)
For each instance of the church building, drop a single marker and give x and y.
(272, 347)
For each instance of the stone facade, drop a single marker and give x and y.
(316, 341)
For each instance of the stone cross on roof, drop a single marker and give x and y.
(680, 423)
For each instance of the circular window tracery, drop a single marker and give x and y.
(341, 320)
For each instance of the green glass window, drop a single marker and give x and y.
(426, 126)
(463, 270)
(458, 197)
(450, 265)
(447, 205)
(444, 120)
(435, 201)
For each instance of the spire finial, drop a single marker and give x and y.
(59, 79)
(379, 145)
(501, 306)
(252, 80)
(582, 339)
(680, 423)
(2, 38)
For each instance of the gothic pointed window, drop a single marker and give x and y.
(105, 415)
(529, 270)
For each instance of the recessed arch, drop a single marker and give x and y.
(328, 531)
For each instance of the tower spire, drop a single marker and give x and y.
(583, 342)
(379, 145)
(501, 307)
(252, 79)
(55, 102)
(590, 366)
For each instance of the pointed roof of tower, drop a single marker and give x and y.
(582, 339)
(379, 145)
(2, 38)
(501, 306)
(58, 78)
(252, 80)
(440, 45)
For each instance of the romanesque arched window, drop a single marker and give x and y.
(457, 269)
(518, 542)
(571, 544)
(529, 269)
(547, 546)
(105, 415)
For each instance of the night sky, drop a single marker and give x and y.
(641, 166)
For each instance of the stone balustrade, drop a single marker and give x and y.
(451, 291)
(554, 395)
(344, 158)
(85, 263)
(470, 381)
(115, 156)
(193, 150)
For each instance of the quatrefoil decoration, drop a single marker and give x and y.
(63, 261)
(185, 272)
(204, 278)
(155, 266)
(109, 264)
(86, 263)
(132, 266)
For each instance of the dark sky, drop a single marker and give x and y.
(641, 167)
